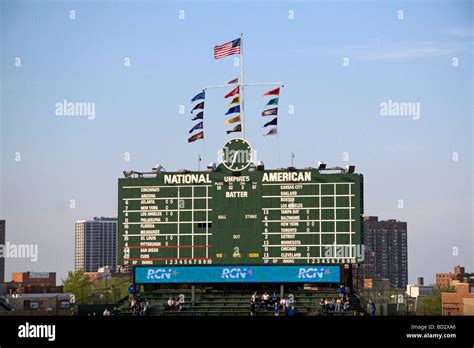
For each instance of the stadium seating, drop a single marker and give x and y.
(234, 302)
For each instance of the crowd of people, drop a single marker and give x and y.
(174, 304)
(139, 306)
(277, 304)
(335, 305)
(339, 304)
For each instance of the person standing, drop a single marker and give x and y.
(253, 303)
(276, 309)
(372, 307)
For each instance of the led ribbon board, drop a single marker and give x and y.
(243, 274)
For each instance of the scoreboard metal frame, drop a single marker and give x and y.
(253, 217)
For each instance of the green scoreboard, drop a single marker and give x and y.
(234, 214)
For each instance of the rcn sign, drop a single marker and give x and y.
(311, 273)
(159, 273)
(237, 274)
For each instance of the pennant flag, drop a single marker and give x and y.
(273, 122)
(233, 81)
(196, 136)
(197, 126)
(198, 96)
(235, 91)
(273, 101)
(275, 91)
(233, 110)
(232, 120)
(236, 100)
(271, 132)
(198, 106)
(270, 112)
(237, 128)
(199, 116)
(227, 49)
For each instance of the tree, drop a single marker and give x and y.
(79, 284)
(430, 305)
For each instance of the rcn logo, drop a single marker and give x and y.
(311, 273)
(236, 273)
(160, 273)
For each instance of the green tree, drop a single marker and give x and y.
(430, 305)
(79, 284)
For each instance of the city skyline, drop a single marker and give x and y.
(59, 169)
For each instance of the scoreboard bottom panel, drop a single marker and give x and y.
(237, 274)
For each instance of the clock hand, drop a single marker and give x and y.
(235, 157)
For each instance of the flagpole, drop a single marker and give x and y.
(241, 83)
(278, 149)
(204, 148)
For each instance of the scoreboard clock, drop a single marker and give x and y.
(238, 218)
(236, 154)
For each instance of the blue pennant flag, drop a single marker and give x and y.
(199, 116)
(273, 122)
(233, 110)
(198, 96)
(197, 126)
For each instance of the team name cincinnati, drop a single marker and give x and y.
(287, 176)
(187, 179)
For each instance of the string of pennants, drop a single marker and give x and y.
(273, 111)
(199, 108)
(234, 105)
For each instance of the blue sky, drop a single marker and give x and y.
(336, 108)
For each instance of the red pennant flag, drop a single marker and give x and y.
(275, 91)
(272, 131)
(196, 136)
(235, 91)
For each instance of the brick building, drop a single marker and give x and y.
(35, 278)
(448, 280)
(460, 302)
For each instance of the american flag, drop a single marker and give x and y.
(227, 49)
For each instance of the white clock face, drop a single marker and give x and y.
(236, 154)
